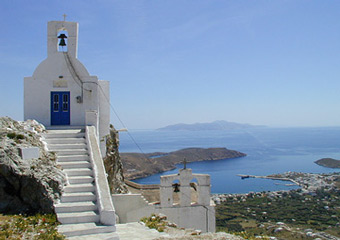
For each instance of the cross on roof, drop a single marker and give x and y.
(64, 17)
(185, 163)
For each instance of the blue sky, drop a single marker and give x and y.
(273, 63)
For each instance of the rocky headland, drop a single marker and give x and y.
(138, 165)
(328, 162)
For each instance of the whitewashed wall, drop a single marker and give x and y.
(132, 207)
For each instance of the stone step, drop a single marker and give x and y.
(64, 140)
(78, 197)
(73, 158)
(79, 172)
(63, 135)
(84, 187)
(78, 217)
(78, 164)
(81, 229)
(68, 152)
(101, 236)
(53, 147)
(65, 128)
(75, 207)
(80, 179)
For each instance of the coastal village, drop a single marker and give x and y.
(63, 160)
(287, 214)
(309, 183)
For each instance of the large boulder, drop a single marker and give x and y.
(30, 185)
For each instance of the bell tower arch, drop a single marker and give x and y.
(62, 36)
(59, 33)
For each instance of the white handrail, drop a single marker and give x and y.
(104, 200)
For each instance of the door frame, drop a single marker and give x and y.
(60, 108)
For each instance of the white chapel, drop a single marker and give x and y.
(75, 108)
(61, 92)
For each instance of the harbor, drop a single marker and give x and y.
(309, 182)
(270, 177)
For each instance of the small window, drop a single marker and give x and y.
(55, 103)
(65, 102)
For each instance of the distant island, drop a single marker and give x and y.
(328, 162)
(216, 125)
(138, 165)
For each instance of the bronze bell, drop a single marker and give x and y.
(176, 187)
(62, 37)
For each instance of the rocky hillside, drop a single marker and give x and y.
(26, 186)
(137, 165)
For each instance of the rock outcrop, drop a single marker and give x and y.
(113, 163)
(31, 185)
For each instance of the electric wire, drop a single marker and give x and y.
(75, 75)
(121, 122)
(69, 66)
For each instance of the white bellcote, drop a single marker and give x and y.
(70, 30)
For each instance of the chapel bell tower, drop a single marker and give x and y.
(61, 92)
(62, 37)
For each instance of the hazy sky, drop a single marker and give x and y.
(274, 63)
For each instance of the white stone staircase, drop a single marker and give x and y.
(78, 209)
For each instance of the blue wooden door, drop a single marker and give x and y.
(60, 108)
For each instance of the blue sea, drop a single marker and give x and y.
(269, 150)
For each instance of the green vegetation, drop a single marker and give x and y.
(157, 222)
(13, 135)
(285, 215)
(29, 227)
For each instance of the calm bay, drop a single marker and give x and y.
(269, 150)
